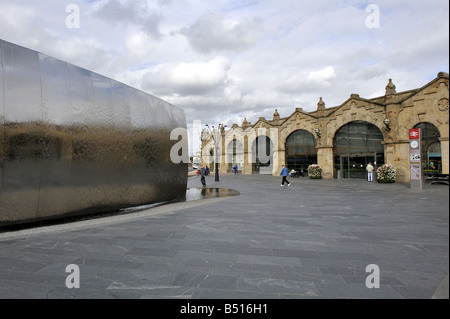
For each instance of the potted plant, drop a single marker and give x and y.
(386, 174)
(315, 171)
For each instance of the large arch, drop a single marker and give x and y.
(235, 154)
(355, 145)
(301, 150)
(262, 160)
(431, 149)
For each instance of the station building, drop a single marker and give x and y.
(341, 139)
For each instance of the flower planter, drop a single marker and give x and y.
(315, 172)
(386, 174)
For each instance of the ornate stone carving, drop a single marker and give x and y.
(276, 115)
(391, 88)
(443, 104)
(321, 105)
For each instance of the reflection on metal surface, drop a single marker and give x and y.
(204, 193)
(73, 142)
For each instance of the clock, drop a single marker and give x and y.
(414, 144)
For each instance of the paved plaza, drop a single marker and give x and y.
(314, 239)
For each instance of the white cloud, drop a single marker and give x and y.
(323, 75)
(223, 60)
(212, 32)
(131, 13)
(189, 78)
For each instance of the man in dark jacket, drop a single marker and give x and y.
(285, 174)
(202, 173)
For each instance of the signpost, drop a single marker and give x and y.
(415, 154)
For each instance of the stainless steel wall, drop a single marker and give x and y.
(74, 142)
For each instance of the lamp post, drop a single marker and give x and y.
(387, 122)
(216, 138)
(318, 132)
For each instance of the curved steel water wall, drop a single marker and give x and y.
(74, 142)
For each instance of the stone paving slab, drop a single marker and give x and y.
(312, 240)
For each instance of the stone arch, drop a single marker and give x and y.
(413, 122)
(288, 131)
(301, 150)
(338, 125)
(431, 144)
(355, 144)
(234, 153)
(262, 160)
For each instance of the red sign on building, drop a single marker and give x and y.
(414, 134)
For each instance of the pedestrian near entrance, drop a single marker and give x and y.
(285, 174)
(370, 170)
(202, 173)
(235, 169)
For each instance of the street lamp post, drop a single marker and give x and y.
(216, 140)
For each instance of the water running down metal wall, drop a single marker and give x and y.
(74, 142)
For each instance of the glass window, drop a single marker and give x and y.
(263, 158)
(431, 149)
(235, 154)
(358, 137)
(356, 145)
(301, 150)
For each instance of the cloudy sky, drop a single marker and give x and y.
(224, 60)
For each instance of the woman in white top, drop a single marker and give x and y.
(370, 170)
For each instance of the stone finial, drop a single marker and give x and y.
(321, 105)
(391, 88)
(245, 123)
(276, 115)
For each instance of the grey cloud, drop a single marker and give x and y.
(131, 13)
(212, 33)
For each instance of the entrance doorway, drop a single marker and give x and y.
(431, 149)
(356, 145)
(354, 165)
(262, 151)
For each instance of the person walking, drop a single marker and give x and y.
(202, 173)
(235, 168)
(370, 170)
(285, 174)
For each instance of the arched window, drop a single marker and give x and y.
(301, 150)
(235, 154)
(355, 145)
(262, 158)
(431, 149)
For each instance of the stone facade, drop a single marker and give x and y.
(402, 110)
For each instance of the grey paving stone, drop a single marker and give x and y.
(20, 265)
(160, 252)
(264, 285)
(202, 293)
(295, 253)
(269, 260)
(219, 282)
(313, 240)
(356, 291)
